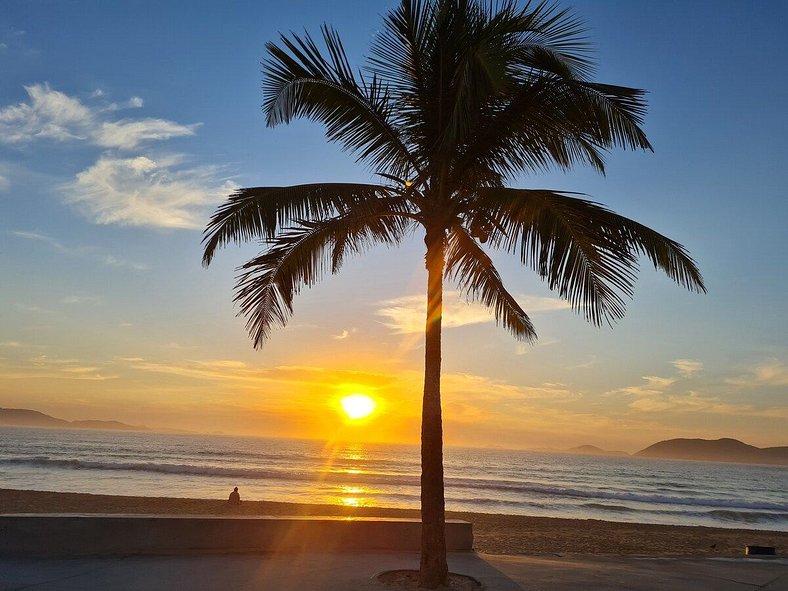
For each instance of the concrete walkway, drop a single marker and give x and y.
(354, 571)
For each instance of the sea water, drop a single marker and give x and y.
(630, 489)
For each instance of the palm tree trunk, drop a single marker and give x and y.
(434, 570)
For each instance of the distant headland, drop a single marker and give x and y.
(22, 417)
(709, 450)
(716, 450)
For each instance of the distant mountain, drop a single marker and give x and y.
(716, 450)
(593, 450)
(22, 417)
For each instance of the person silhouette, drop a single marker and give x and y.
(235, 498)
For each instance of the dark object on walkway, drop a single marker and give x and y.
(760, 551)
(235, 498)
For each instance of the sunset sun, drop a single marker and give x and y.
(357, 406)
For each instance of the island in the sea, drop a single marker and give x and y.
(716, 450)
(709, 450)
(593, 450)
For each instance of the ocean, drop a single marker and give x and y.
(627, 489)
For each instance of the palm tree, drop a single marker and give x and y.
(458, 98)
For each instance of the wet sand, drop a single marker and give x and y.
(493, 533)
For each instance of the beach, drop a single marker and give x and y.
(499, 534)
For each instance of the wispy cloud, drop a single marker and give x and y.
(5, 184)
(343, 335)
(769, 373)
(653, 385)
(32, 308)
(128, 135)
(49, 114)
(80, 299)
(484, 388)
(693, 402)
(687, 367)
(239, 373)
(592, 359)
(671, 395)
(87, 252)
(525, 348)
(46, 367)
(112, 261)
(406, 315)
(145, 192)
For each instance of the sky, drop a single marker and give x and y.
(123, 125)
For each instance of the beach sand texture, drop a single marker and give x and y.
(493, 533)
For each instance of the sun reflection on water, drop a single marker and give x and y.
(349, 496)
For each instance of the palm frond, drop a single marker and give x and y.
(300, 82)
(585, 252)
(258, 212)
(476, 276)
(299, 256)
(552, 121)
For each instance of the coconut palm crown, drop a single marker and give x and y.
(458, 98)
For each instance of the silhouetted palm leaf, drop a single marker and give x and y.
(299, 256)
(477, 277)
(584, 251)
(259, 212)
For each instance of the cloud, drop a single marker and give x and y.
(80, 299)
(406, 315)
(53, 115)
(119, 188)
(5, 184)
(39, 238)
(534, 304)
(525, 348)
(32, 309)
(592, 359)
(485, 389)
(44, 366)
(694, 402)
(49, 114)
(343, 335)
(769, 373)
(654, 385)
(81, 251)
(141, 191)
(240, 374)
(134, 102)
(127, 135)
(660, 394)
(687, 367)
(112, 261)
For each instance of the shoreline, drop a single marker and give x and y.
(493, 533)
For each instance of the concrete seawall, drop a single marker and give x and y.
(102, 535)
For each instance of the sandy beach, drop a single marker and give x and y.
(493, 533)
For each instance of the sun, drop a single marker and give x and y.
(357, 406)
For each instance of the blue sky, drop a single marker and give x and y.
(123, 125)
